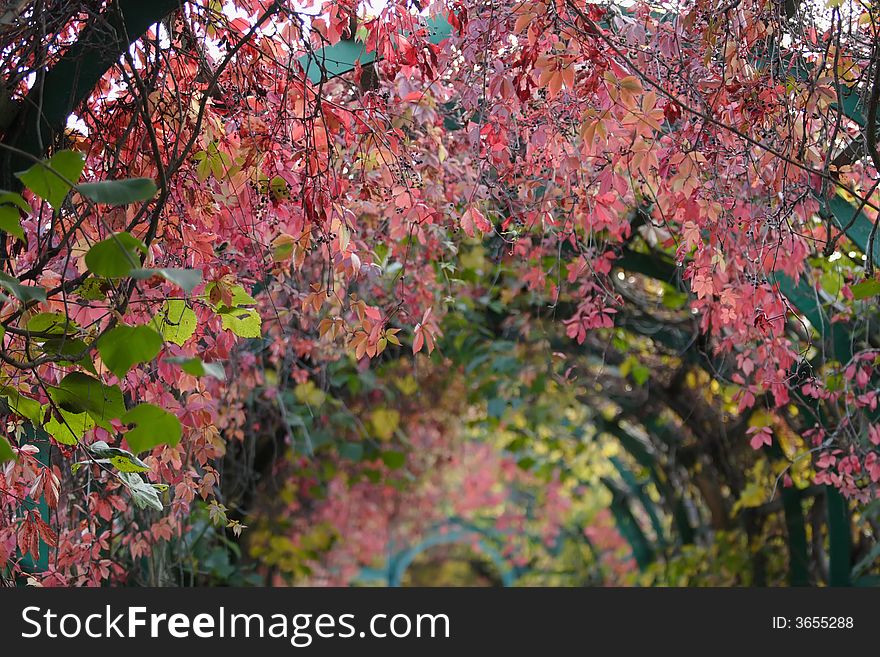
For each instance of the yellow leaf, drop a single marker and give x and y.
(384, 421)
(761, 418)
(753, 495)
(407, 385)
(282, 247)
(308, 393)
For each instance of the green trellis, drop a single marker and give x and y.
(453, 531)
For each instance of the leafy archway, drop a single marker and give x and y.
(650, 231)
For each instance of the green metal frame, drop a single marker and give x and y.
(453, 531)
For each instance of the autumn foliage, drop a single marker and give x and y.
(577, 274)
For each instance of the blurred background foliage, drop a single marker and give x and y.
(622, 461)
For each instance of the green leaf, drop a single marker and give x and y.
(78, 392)
(70, 428)
(496, 407)
(23, 406)
(125, 346)
(393, 460)
(351, 451)
(309, 394)
(6, 453)
(130, 463)
(197, 367)
(116, 256)
(176, 322)
(51, 179)
(51, 324)
(121, 459)
(633, 368)
(153, 426)
(73, 347)
(279, 188)
(119, 192)
(24, 293)
(143, 495)
(282, 247)
(100, 449)
(93, 289)
(11, 198)
(239, 297)
(244, 322)
(640, 374)
(242, 298)
(373, 476)
(10, 221)
(865, 289)
(186, 279)
(673, 298)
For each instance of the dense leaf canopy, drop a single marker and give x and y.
(290, 287)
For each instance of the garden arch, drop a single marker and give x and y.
(453, 531)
